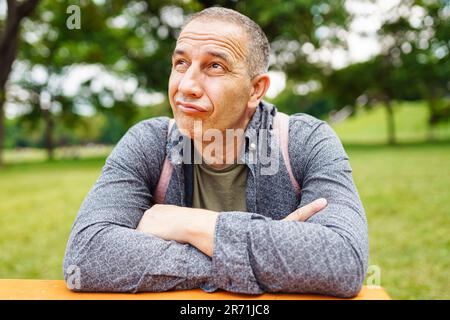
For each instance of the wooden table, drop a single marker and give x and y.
(15, 289)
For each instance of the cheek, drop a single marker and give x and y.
(222, 93)
(174, 81)
(173, 85)
(235, 95)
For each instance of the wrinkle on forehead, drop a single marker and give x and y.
(225, 41)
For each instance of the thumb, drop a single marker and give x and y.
(305, 212)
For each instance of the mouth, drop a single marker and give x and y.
(190, 108)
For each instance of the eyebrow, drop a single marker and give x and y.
(178, 52)
(225, 57)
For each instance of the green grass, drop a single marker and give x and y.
(369, 126)
(405, 191)
(38, 203)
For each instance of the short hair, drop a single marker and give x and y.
(258, 48)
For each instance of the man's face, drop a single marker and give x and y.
(210, 79)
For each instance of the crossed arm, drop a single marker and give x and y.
(196, 226)
(235, 251)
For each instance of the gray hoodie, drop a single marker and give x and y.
(254, 252)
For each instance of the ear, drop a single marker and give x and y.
(260, 85)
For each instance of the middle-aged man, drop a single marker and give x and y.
(222, 223)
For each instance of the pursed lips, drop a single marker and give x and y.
(190, 108)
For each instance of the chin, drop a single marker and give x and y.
(186, 125)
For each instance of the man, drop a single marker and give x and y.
(223, 224)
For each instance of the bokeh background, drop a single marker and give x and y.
(377, 71)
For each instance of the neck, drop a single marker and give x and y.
(226, 145)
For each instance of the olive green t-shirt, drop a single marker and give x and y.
(220, 189)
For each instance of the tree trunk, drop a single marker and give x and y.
(433, 118)
(48, 134)
(9, 40)
(2, 124)
(8, 51)
(390, 123)
(430, 133)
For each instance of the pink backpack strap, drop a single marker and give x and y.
(166, 174)
(281, 123)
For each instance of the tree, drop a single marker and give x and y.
(412, 64)
(298, 31)
(369, 83)
(57, 49)
(9, 43)
(417, 48)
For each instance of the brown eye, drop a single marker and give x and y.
(180, 65)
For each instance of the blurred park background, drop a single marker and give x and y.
(75, 75)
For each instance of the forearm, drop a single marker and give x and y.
(253, 254)
(119, 259)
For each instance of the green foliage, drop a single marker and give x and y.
(314, 104)
(413, 64)
(134, 40)
(113, 130)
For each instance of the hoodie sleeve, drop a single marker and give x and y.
(104, 247)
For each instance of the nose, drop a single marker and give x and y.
(189, 84)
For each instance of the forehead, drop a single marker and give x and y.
(201, 34)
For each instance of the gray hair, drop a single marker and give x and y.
(258, 46)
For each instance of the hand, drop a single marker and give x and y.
(304, 213)
(182, 224)
(165, 221)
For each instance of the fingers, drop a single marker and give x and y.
(305, 212)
